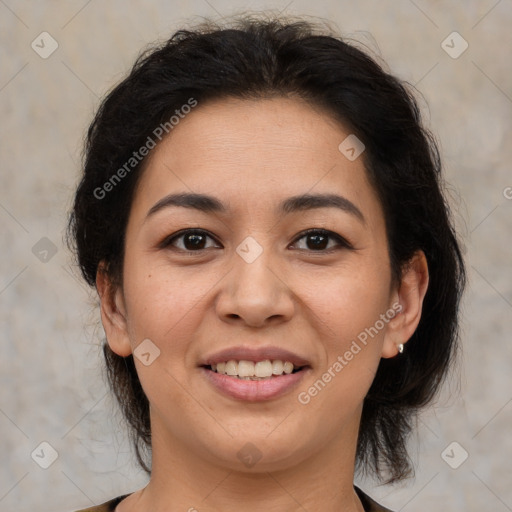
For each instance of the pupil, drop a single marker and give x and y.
(194, 241)
(319, 241)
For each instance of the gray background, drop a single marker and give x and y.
(51, 379)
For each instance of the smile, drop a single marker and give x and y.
(250, 381)
(254, 370)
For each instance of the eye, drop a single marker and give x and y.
(194, 240)
(321, 240)
(190, 240)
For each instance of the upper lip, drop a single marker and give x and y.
(254, 354)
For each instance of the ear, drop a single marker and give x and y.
(409, 294)
(113, 313)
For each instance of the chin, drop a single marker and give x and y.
(260, 453)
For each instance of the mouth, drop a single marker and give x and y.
(255, 370)
(254, 381)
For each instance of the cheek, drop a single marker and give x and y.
(349, 312)
(351, 351)
(166, 310)
(347, 301)
(355, 308)
(162, 306)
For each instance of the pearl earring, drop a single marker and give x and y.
(401, 348)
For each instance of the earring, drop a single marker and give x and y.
(401, 348)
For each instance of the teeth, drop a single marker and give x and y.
(277, 367)
(263, 368)
(249, 370)
(288, 367)
(246, 369)
(231, 368)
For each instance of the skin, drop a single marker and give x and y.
(251, 155)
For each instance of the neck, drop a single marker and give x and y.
(184, 480)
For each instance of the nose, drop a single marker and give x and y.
(255, 292)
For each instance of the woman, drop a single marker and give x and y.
(262, 216)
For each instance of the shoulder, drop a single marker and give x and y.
(369, 504)
(108, 506)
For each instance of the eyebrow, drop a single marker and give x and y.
(210, 204)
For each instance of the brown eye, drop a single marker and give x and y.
(321, 240)
(190, 240)
(317, 241)
(194, 241)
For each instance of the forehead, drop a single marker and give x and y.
(255, 152)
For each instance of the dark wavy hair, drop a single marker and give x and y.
(256, 57)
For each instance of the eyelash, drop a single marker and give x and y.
(341, 242)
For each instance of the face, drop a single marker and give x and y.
(261, 272)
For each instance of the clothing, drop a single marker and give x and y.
(368, 504)
(108, 506)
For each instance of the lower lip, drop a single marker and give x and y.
(254, 390)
